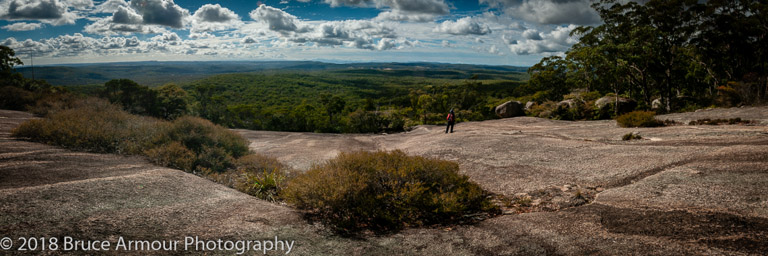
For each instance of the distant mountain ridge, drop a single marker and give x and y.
(155, 73)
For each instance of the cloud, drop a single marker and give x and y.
(437, 7)
(495, 50)
(276, 19)
(80, 4)
(160, 12)
(517, 26)
(214, 17)
(110, 6)
(22, 26)
(405, 16)
(140, 16)
(249, 40)
(126, 15)
(400, 10)
(532, 34)
(215, 13)
(557, 40)
(336, 3)
(54, 12)
(361, 34)
(508, 39)
(463, 26)
(351, 33)
(550, 12)
(106, 26)
(170, 36)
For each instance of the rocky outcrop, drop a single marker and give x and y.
(569, 103)
(510, 109)
(529, 105)
(606, 104)
(656, 104)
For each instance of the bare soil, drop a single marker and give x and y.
(570, 188)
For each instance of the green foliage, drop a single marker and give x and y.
(214, 146)
(172, 101)
(134, 98)
(678, 50)
(639, 119)
(550, 76)
(7, 61)
(631, 136)
(386, 191)
(168, 102)
(257, 175)
(543, 110)
(341, 101)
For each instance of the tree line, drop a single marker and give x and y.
(674, 52)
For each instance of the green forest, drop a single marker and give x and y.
(664, 56)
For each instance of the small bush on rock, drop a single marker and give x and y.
(638, 119)
(386, 191)
(632, 136)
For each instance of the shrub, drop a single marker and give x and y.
(631, 136)
(15, 98)
(95, 125)
(543, 110)
(385, 191)
(199, 135)
(256, 175)
(173, 155)
(638, 119)
(55, 102)
(265, 185)
(727, 97)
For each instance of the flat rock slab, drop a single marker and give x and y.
(683, 190)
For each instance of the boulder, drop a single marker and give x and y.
(528, 105)
(510, 109)
(606, 104)
(656, 104)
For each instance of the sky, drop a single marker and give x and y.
(489, 32)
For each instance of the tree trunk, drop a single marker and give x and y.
(616, 103)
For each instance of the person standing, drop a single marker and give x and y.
(451, 118)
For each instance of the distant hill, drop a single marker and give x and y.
(153, 73)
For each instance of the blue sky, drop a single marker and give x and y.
(494, 32)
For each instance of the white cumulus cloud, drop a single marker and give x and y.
(463, 26)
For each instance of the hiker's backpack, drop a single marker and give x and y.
(449, 117)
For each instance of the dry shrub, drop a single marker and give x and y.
(95, 125)
(631, 136)
(56, 102)
(639, 119)
(257, 175)
(216, 147)
(173, 155)
(15, 98)
(386, 191)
